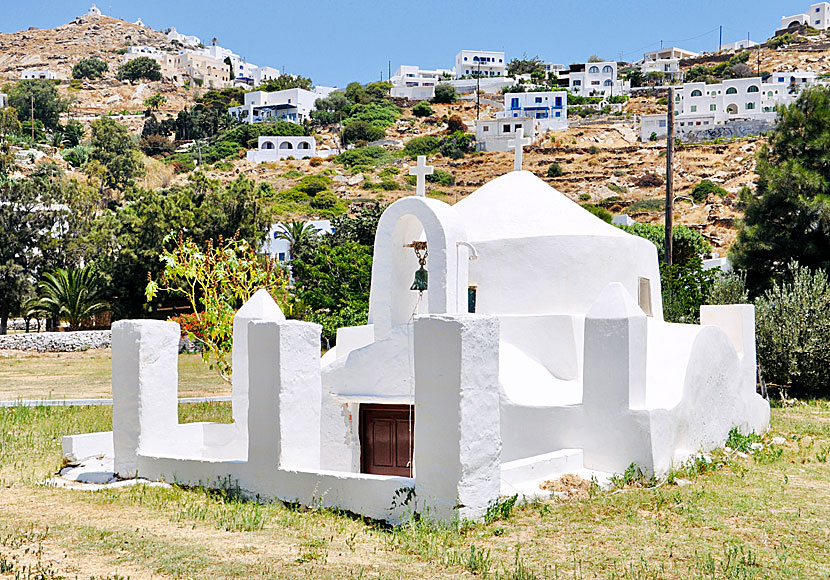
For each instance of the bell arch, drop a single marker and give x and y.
(391, 302)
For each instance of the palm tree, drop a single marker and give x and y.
(74, 295)
(297, 233)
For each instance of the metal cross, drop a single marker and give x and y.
(421, 170)
(518, 145)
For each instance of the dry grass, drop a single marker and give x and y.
(760, 517)
(88, 375)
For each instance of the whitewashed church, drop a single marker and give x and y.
(512, 338)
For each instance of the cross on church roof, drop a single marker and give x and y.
(518, 145)
(421, 170)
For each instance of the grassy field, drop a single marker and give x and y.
(766, 515)
(88, 375)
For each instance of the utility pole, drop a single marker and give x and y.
(669, 180)
(720, 38)
(478, 90)
(389, 76)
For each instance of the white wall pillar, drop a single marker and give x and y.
(614, 383)
(145, 377)
(259, 307)
(285, 390)
(457, 427)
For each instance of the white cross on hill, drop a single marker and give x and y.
(518, 145)
(421, 170)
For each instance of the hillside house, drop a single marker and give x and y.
(665, 61)
(293, 105)
(548, 109)
(271, 149)
(184, 39)
(413, 82)
(740, 45)
(535, 347)
(594, 79)
(818, 17)
(38, 74)
(480, 63)
(498, 134)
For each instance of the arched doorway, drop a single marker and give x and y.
(732, 109)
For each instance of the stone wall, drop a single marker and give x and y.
(729, 130)
(73, 341)
(56, 341)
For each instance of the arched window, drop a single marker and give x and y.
(593, 69)
(303, 145)
(752, 89)
(696, 93)
(750, 106)
(769, 93)
(607, 69)
(731, 91)
(286, 145)
(607, 83)
(267, 145)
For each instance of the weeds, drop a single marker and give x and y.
(500, 509)
(735, 440)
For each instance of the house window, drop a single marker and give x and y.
(485, 129)
(713, 107)
(558, 114)
(644, 296)
(593, 70)
(607, 69)
(514, 103)
(607, 83)
(752, 89)
(281, 256)
(558, 102)
(517, 127)
(694, 108)
(506, 129)
(577, 83)
(750, 106)
(661, 124)
(731, 91)
(471, 298)
(538, 99)
(696, 93)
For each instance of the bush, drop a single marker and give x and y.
(153, 145)
(456, 145)
(324, 200)
(315, 161)
(380, 114)
(687, 244)
(76, 156)
(686, 286)
(444, 93)
(313, 184)
(438, 176)
(701, 191)
(426, 145)
(555, 170)
(139, 68)
(371, 156)
(455, 124)
(653, 204)
(793, 332)
(652, 137)
(422, 109)
(649, 179)
(600, 212)
(584, 196)
(729, 288)
(616, 189)
(89, 68)
(358, 131)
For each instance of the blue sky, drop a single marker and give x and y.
(335, 42)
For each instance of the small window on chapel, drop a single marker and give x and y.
(644, 296)
(471, 298)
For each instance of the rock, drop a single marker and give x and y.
(756, 446)
(778, 441)
(682, 482)
(356, 179)
(742, 455)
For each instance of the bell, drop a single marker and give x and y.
(421, 277)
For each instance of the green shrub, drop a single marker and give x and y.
(593, 150)
(292, 174)
(313, 184)
(793, 332)
(456, 145)
(223, 166)
(555, 170)
(422, 109)
(425, 145)
(324, 200)
(89, 68)
(616, 189)
(702, 190)
(444, 93)
(441, 178)
(729, 288)
(455, 124)
(370, 156)
(361, 131)
(77, 156)
(142, 67)
(388, 172)
(652, 137)
(584, 196)
(686, 286)
(653, 204)
(600, 212)
(380, 114)
(687, 244)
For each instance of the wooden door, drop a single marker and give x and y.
(386, 439)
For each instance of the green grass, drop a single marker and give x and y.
(88, 375)
(760, 517)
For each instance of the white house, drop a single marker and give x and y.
(293, 105)
(279, 248)
(700, 105)
(4, 100)
(184, 39)
(41, 74)
(818, 16)
(143, 50)
(666, 61)
(94, 11)
(480, 62)
(271, 149)
(595, 79)
(549, 109)
(413, 82)
(499, 134)
(534, 347)
(740, 45)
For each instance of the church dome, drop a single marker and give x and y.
(520, 205)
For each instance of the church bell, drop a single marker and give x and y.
(421, 280)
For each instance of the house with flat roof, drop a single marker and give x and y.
(483, 63)
(548, 109)
(293, 105)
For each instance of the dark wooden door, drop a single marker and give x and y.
(386, 439)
